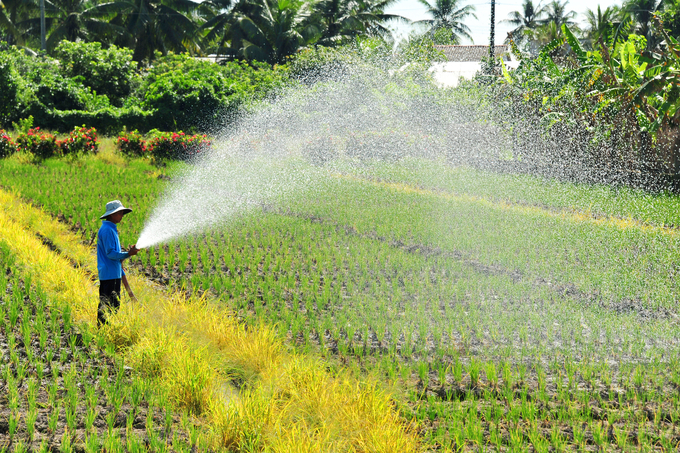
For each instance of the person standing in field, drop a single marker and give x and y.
(110, 258)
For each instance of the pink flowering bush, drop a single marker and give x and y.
(176, 145)
(81, 141)
(7, 145)
(41, 144)
(132, 144)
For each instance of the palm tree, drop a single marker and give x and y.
(545, 33)
(159, 25)
(557, 12)
(643, 12)
(341, 20)
(74, 20)
(449, 15)
(272, 31)
(526, 19)
(219, 17)
(601, 24)
(671, 17)
(13, 15)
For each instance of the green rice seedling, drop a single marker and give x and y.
(516, 439)
(112, 442)
(32, 392)
(475, 430)
(90, 417)
(92, 443)
(53, 418)
(457, 370)
(540, 443)
(168, 419)
(42, 338)
(508, 380)
(70, 415)
(621, 436)
(579, 435)
(66, 317)
(495, 437)
(599, 434)
(31, 418)
(638, 376)
(642, 436)
(474, 370)
(13, 312)
(13, 423)
(52, 389)
(557, 439)
(49, 356)
(442, 370)
(134, 444)
(66, 442)
(22, 369)
(20, 447)
(491, 374)
(668, 445)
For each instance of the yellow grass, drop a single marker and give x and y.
(251, 391)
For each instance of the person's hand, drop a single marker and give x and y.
(133, 250)
(133, 298)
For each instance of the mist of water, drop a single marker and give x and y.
(353, 115)
(265, 156)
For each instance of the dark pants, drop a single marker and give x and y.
(109, 298)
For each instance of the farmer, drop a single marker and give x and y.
(110, 261)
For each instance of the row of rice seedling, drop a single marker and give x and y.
(533, 321)
(61, 391)
(193, 349)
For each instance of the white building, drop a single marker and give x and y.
(466, 61)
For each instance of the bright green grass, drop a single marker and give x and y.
(504, 326)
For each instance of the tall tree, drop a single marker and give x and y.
(527, 19)
(643, 12)
(449, 15)
(13, 15)
(601, 24)
(557, 12)
(272, 30)
(74, 20)
(159, 25)
(341, 20)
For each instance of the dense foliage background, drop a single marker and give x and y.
(601, 96)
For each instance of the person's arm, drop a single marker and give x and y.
(128, 289)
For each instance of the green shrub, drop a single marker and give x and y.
(38, 143)
(108, 121)
(81, 141)
(7, 145)
(9, 90)
(176, 145)
(131, 144)
(190, 94)
(109, 72)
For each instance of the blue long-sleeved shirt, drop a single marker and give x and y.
(110, 256)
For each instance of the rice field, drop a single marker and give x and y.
(62, 388)
(510, 313)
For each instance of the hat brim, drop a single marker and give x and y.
(125, 211)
